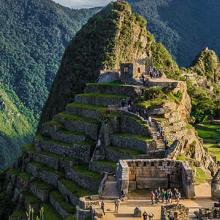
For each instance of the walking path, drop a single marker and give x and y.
(126, 209)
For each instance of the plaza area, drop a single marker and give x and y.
(126, 209)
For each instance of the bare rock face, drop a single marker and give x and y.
(176, 127)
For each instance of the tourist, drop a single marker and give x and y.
(163, 195)
(103, 207)
(170, 196)
(178, 196)
(150, 120)
(166, 196)
(117, 203)
(145, 216)
(152, 196)
(122, 196)
(157, 196)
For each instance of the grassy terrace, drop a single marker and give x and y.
(30, 198)
(67, 132)
(87, 106)
(65, 205)
(50, 213)
(151, 103)
(64, 144)
(72, 117)
(41, 185)
(201, 176)
(126, 151)
(44, 167)
(133, 136)
(106, 162)
(104, 95)
(84, 170)
(211, 136)
(77, 190)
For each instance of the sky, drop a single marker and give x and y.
(83, 3)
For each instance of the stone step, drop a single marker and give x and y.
(43, 172)
(116, 153)
(114, 88)
(73, 191)
(101, 166)
(51, 127)
(75, 123)
(62, 206)
(84, 177)
(100, 99)
(79, 150)
(41, 190)
(137, 142)
(85, 110)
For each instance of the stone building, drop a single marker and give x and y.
(153, 173)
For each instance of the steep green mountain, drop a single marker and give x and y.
(203, 78)
(16, 126)
(184, 26)
(33, 36)
(107, 38)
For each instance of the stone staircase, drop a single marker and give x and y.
(110, 190)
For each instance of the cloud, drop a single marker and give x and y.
(83, 3)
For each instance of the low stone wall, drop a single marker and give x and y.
(90, 129)
(81, 151)
(84, 181)
(42, 194)
(99, 100)
(89, 113)
(82, 214)
(175, 212)
(58, 207)
(129, 142)
(129, 90)
(101, 167)
(67, 193)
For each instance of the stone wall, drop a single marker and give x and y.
(215, 186)
(154, 173)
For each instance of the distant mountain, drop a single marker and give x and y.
(16, 127)
(33, 37)
(183, 26)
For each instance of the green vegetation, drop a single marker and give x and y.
(181, 157)
(201, 176)
(127, 151)
(16, 126)
(104, 95)
(210, 133)
(75, 189)
(134, 136)
(84, 170)
(65, 205)
(86, 106)
(50, 213)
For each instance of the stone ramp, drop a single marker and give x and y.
(110, 189)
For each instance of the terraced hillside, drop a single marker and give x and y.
(69, 158)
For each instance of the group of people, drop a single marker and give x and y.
(154, 73)
(116, 204)
(165, 196)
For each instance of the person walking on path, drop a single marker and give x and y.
(170, 196)
(152, 197)
(117, 203)
(145, 215)
(103, 207)
(178, 196)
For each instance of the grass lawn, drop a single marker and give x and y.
(201, 176)
(210, 133)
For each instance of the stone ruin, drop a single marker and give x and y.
(154, 173)
(205, 213)
(174, 212)
(215, 186)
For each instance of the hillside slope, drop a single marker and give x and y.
(33, 37)
(15, 126)
(184, 27)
